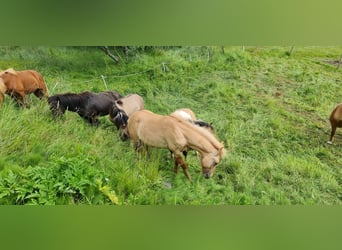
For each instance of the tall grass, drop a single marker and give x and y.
(270, 110)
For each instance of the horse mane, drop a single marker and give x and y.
(119, 116)
(206, 134)
(115, 95)
(204, 124)
(11, 71)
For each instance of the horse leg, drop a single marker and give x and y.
(179, 160)
(176, 167)
(333, 130)
(137, 145)
(95, 121)
(20, 99)
(27, 105)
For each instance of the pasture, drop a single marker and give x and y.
(269, 107)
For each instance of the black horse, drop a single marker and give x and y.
(87, 104)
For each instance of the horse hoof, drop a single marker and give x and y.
(329, 142)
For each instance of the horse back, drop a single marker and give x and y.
(32, 80)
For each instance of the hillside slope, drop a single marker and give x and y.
(269, 108)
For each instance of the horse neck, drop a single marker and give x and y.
(199, 139)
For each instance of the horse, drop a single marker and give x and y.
(87, 105)
(21, 83)
(148, 128)
(188, 115)
(335, 121)
(3, 90)
(122, 109)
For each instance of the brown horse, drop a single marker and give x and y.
(122, 109)
(335, 121)
(145, 127)
(87, 104)
(2, 91)
(21, 83)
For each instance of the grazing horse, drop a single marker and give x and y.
(87, 104)
(188, 115)
(145, 127)
(2, 91)
(122, 109)
(335, 121)
(21, 83)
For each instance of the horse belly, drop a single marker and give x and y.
(152, 138)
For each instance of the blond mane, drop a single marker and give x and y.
(11, 70)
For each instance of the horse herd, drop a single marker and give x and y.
(179, 131)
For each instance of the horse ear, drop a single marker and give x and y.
(222, 152)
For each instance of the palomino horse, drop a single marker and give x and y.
(2, 91)
(87, 104)
(188, 115)
(145, 127)
(20, 83)
(122, 109)
(335, 121)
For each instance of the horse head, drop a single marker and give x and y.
(209, 162)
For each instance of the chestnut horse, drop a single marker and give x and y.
(122, 109)
(335, 121)
(87, 104)
(145, 127)
(21, 83)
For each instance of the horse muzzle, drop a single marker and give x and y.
(207, 175)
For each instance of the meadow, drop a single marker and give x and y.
(269, 105)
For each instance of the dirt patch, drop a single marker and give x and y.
(337, 63)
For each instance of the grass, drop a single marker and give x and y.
(268, 107)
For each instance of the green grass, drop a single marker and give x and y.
(269, 108)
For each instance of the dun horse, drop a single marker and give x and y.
(335, 121)
(88, 105)
(122, 109)
(21, 83)
(145, 127)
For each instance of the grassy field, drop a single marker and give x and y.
(269, 107)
